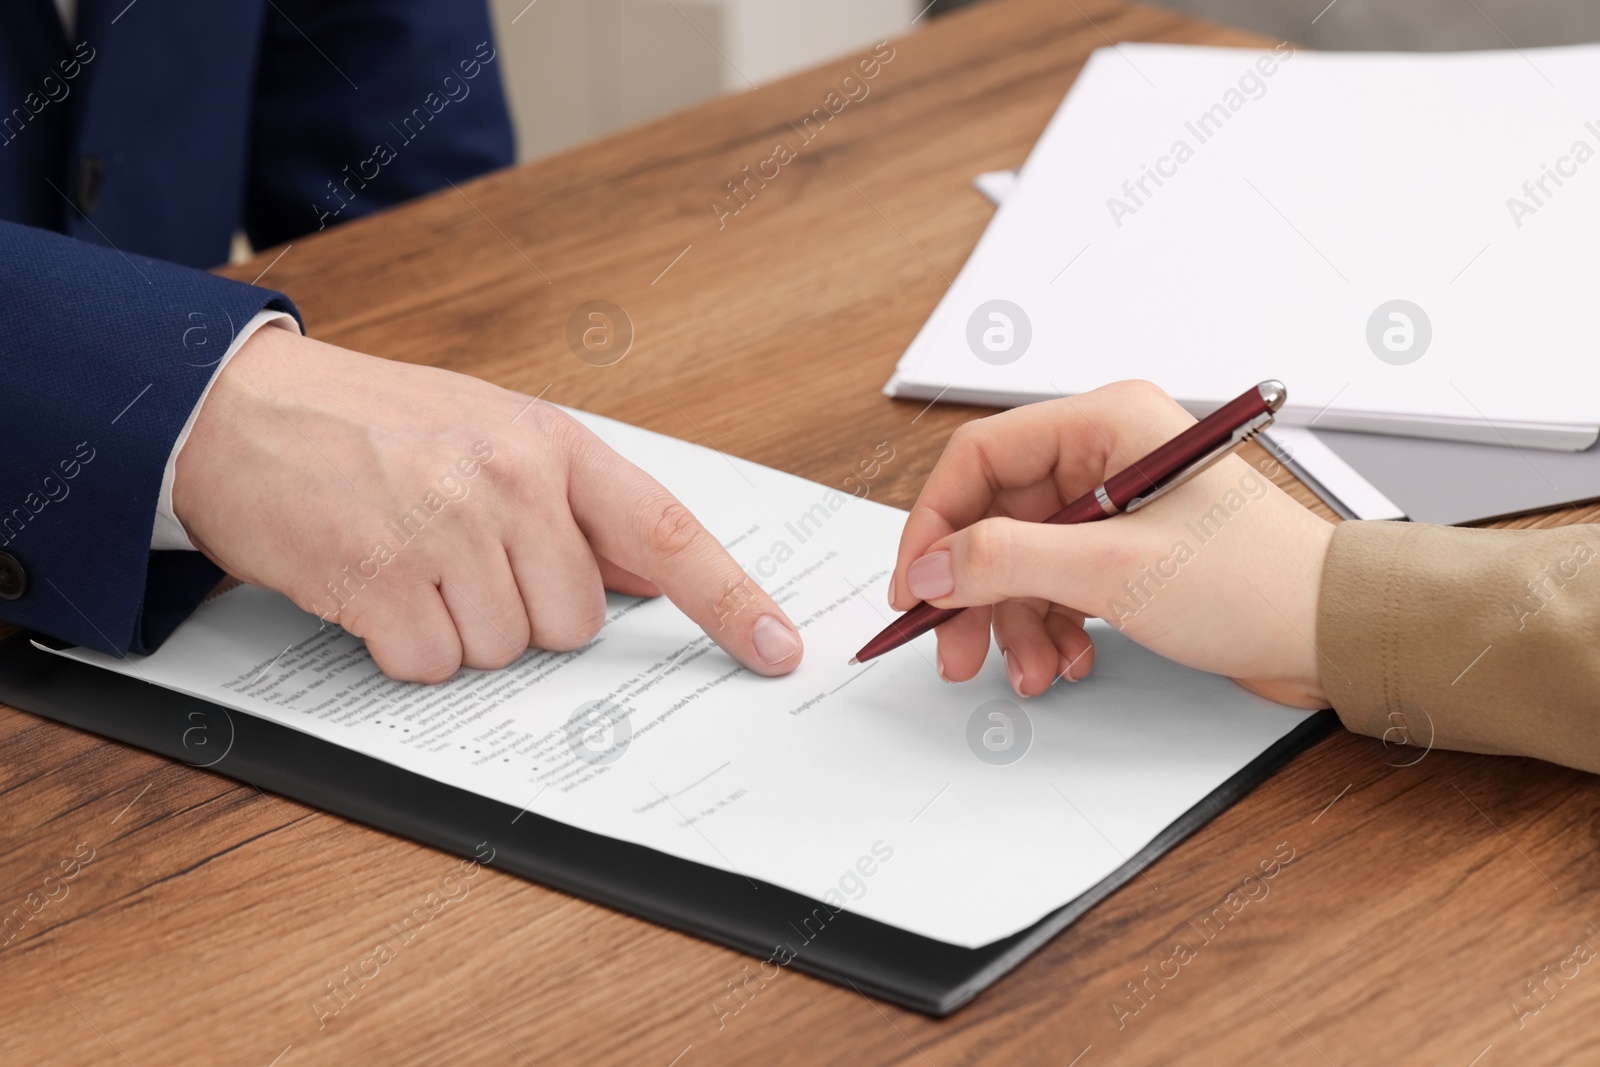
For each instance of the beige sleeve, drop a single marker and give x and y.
(1482, 640)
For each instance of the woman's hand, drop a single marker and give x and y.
(1220, 574)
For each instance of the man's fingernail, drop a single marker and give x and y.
(1014, 672)
(931, 577)
(775, 643)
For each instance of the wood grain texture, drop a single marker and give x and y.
(1419, 900)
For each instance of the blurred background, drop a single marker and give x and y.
(579, 69)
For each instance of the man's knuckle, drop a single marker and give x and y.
(503, 656)
(582, 629)
(667, 527)
(556, 425)
(514, 631)
(436, 666)
(567, 442)
(571, 629)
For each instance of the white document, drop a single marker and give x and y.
(995, 185)
(1339, 484)
(855, 785)
(1190, 218)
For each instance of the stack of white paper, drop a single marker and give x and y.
(1405, 240)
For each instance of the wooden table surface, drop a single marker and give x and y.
(206, 918)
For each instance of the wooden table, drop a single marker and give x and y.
(1420, 898)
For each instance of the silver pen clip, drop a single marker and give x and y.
(1244, 433)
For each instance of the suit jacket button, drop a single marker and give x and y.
(91, 179)
(13, 579)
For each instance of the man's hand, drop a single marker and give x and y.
(445, 520)
(1220, 574)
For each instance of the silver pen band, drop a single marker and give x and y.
(1105, 501)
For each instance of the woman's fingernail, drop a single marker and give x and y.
(938, 661)
(775, 643)
(1064, 668)
(1014, 672)
(931, 576)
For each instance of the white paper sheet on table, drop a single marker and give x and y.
(788, 780)
(1285, 210)
(1339, 484)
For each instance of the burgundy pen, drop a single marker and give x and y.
(1186, 455)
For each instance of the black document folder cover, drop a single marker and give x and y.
(905, 968)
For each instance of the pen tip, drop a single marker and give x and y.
(853, 662)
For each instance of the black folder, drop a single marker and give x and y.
(764, 920)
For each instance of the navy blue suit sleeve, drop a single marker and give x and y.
(104, 355)
(361, 104)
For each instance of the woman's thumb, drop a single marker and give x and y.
(997, 559)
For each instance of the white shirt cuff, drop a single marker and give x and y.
(169, 532)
